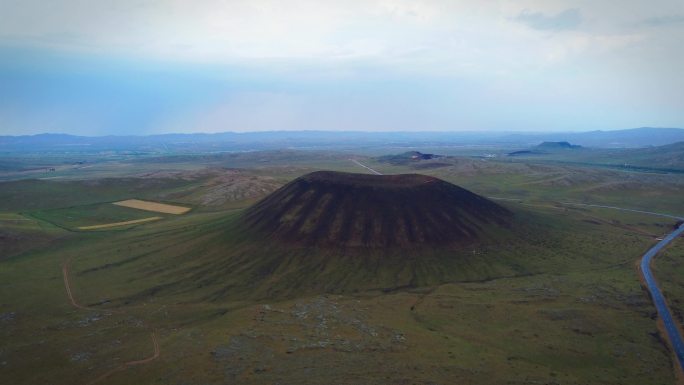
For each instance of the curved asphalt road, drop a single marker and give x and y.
(659, 300)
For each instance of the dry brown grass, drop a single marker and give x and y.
(153, 206)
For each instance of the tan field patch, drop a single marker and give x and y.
(117, 224)
(153, 206)
(13, 217)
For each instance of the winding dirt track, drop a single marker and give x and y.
(128, 364)
(125, 365)
(65, 273)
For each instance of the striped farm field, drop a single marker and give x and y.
(117, 224)
(153, 206)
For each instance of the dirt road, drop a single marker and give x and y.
(366, 167)
(155, 343)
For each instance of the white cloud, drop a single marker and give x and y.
(575, 48)
(295, 29)
(429, 36)
(569, 19)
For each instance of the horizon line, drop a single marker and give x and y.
(346, 131)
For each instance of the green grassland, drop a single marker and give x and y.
(59, 167)
(553, 182)
(88, 215)
(582, 323)
(661, 159)
(568, 309)
(37, 195)
(19, 233)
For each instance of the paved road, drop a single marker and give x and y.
(663, 311)
(366, 167)
(659, 300)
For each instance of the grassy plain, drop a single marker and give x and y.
(19, 233)
(75, 217)
(573, 313)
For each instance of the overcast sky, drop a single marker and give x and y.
(142, 67)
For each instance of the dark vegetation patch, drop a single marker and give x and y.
(524, 152)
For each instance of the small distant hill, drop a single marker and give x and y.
(407, 157)
(550, 146)
(524, 153)
(545, 148)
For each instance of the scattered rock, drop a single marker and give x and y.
(8, 317)
(80, 357)
(89, 320)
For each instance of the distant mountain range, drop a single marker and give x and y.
(231, 141)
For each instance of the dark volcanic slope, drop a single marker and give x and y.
(350, 210)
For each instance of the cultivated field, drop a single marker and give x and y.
(79, 217)
(153, 206)
(119, 224)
